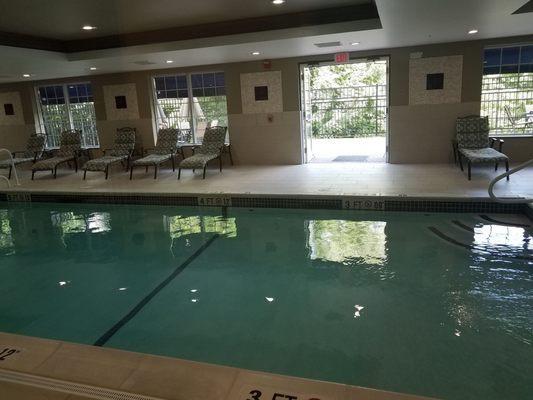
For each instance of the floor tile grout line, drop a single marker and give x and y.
(141, 304)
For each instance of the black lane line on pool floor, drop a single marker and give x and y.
(489, 219)
(135, 310)
(470, 247)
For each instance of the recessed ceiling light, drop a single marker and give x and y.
(278, 2)
(355, 43)
(169, 61)
(472, 31)
(93, 68)
(255, 53)
(88, 27)
(26, 75)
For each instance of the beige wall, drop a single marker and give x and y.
(418, 133)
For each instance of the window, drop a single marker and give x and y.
(191, 103)
(507, 89)
(64, 107)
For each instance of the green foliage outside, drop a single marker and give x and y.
(511, 91)
(348, 100)
(348, 242)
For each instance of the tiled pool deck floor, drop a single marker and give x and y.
(357, 179)
(159, 377)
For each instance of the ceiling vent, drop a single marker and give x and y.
(328, 44)
(144, 62)
(526, 8)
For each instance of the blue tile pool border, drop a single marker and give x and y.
(373, 203)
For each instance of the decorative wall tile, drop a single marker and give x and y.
(127, 91)
(422, 88)
(10, 101)
(263, 84)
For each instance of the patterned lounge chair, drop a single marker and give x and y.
(473, 143)
(69, 148)
(121, 152)
(165, 150)
(34, 151)
(211, 148)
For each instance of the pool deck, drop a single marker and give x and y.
(443, 181)
(62, 364)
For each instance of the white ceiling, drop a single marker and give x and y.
(405, 23)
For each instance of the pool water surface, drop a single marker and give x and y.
(431, 304)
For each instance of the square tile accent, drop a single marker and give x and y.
(129, 92)
(451, 69)
(12, 99)
(270, 82)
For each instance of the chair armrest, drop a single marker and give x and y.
(493, 140)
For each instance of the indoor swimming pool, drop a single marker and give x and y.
(432, 304)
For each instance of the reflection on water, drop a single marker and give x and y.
(494, 237)
(179, 226)
(6, 236)
(348, 242)
(70, 222)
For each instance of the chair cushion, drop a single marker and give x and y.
(152, 159)
(197, 161)
(101, 164)
(16, 161)
(50, 163)
(486, 154)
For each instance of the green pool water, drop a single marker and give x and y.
(430, 304)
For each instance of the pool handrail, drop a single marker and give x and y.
(13, 167)
(505, 175)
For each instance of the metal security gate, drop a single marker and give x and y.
(345, 111)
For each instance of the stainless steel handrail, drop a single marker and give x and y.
(13, 168)
(505, 175)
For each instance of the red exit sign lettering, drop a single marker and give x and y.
(342, 58)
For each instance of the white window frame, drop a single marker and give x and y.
(42, 128)
(188, 76)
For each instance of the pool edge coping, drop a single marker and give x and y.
(206, 373)
(257, 200)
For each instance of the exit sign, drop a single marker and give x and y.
(342, 58)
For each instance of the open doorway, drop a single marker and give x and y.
(345, 110)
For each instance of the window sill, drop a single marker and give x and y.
(510, 136)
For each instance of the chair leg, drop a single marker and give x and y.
(469, 170)
(205, 167)
(179, 173)
(9, 176)
(460, 161)
(230, 156)
(106, 172)
(32, 174)
(147, 168)
(84, 174)
(507, 168)
(496, 167)
(220, 162)
(55, 172)
(155, 171)
(76, 165)
(131, 173)
(173, 164)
